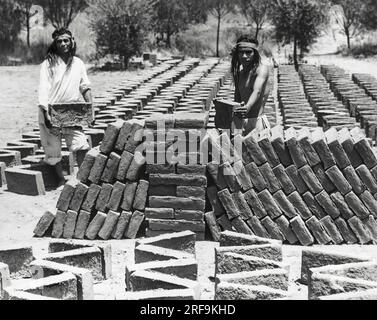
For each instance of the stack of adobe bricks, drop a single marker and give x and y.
(334, 276)
(164, 268)
(299, 186)
(108, 197)
(151, 95)
(68, 271)
(131, 95)
(250, 268)
(177, 178)
(168, 100)
(360, 105)
(367, 82)
(329, 111)
(368, 116)
(297, 112)
(205, 88)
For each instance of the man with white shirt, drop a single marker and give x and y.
(63, 79)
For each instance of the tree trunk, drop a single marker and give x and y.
(168, 40)
(347, 32)
(257, 32)
(295, 61)
(28, 30)
(168, 35)
(218, 35)
(125, 61)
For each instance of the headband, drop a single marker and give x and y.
(65, 35)
(60, 32)
(247, 45)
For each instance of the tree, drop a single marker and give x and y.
(299, 22)
(220, 8)
(369, 14)
(348, 15)
(61, 13)
(25, 8)
(119, 26)
(10, 25)
(256, 12)
(169, 17)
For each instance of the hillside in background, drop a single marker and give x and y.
(198, 40)
(41, 36)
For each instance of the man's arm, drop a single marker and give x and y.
(258, 89)
(87, 95)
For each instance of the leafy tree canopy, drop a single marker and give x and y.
(61, 13)
(119, 26)
(10, 25)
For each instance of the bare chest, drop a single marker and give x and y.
(246, 85)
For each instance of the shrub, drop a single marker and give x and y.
(365, 47)
(193, 43)
(33, 55)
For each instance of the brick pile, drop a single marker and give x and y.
(17, 260)
(367, 82)
(151, 96)
(108, 197)
(201, 94)
(68, 272)
(133, 187)
(368, 116)
(332, 276)
(172, 98)
(177, 186)
(299, 186)
(131, 95)
(250, 268)
(57, 287)
(360, 105)
(329, 110)
(164, 268)
(310, 187)
(296, 110)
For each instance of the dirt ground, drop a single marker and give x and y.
(19, 214)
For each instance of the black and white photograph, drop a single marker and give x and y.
(184, 156)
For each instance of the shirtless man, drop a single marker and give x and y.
(251, 86)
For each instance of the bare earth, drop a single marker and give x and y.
(19, 214)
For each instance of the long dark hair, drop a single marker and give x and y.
(235, 67)
(52, 51)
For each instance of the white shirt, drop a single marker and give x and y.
(59, 85)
